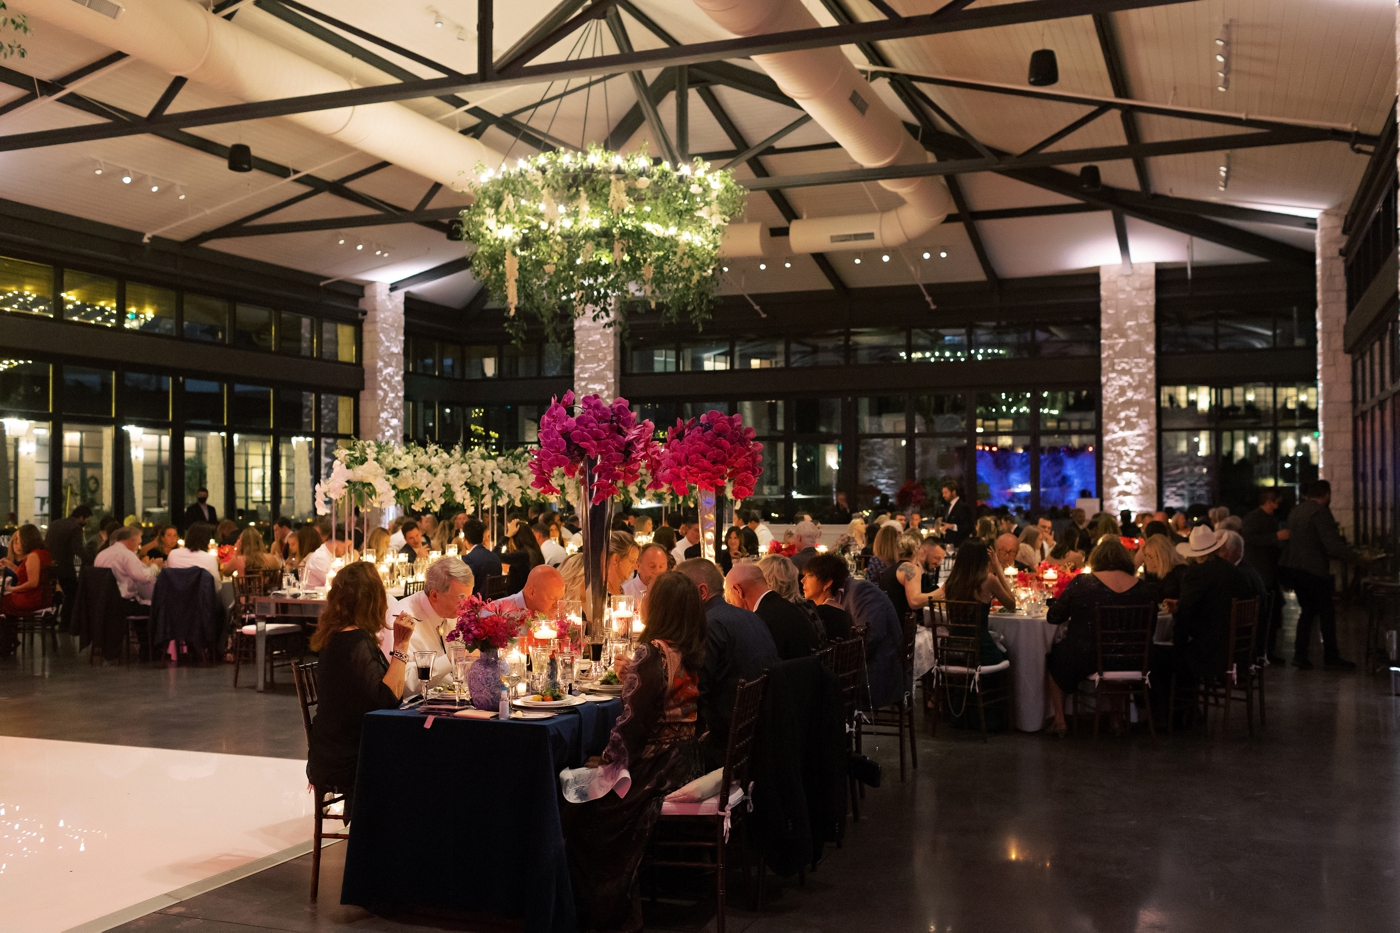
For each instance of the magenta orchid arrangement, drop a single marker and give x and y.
(611, 436)
(710, 452)
(483, 625)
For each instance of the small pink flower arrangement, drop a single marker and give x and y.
(781, 549)
(710, 452)
(483, 625)
(611, 436)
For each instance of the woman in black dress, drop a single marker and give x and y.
(352, 677)
(1109, 580)
(733, 550)
(522, 555)
(823, 579)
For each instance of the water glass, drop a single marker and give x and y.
(566, 672)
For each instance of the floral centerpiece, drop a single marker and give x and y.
(781, 549)
(562, 232)
(709, 453)
(1062, 576)
(487, 627)
(911, 496)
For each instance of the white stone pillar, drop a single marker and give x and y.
(1334, 418)
(1128, 384)
(381, 401)
(596, 350)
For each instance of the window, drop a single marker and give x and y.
(204, 467)
(206, 318)
(1003, 412)
(1075, 411)
(252, 327)
(520, 362)
(145, 397)
(758, 352)
(1001, 341)
(24, 459)
(940, 414)
(1245, 331)
(337, 414)
(764, 417)
(1186, 468)
(250, 406)
(204, 402)
(1187, 331)
(87, 391)
(252, 477)
(827, 349)
(704, 356)
(24, 385)
(479, 362)
(339, 342)
(882, 415)
(651, 355)
(816, 475)
(147, 492)
(817, 415)
(87, 470)
(879, 470)
(149, 309)
(938, 344)
(296, 335)
(450, 360)
(1071, 338)
(422, 356)
(558, 360)
(296, 410)
(26, 287)
(89, 299)
(451, 424)
(298, 465)
(1004, 470)
(938, 459)
(878, 346)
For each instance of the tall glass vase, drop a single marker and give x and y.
(595, 524)
(709, 534)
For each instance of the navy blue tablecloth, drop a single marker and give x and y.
(484, 795)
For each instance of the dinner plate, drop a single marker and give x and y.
(610, 689)
(532, 714)
(549, 704)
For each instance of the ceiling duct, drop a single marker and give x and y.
(826, 85)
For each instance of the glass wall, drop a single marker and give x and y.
(252, 478)
(24, 471)
(147, 475)
(87, 468)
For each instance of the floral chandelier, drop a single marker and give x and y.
(563, 232)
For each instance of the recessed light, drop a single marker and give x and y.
(925, 255)
(787, 265)
(885, 257)
(943, 254)
(857, 260)
(762, 266)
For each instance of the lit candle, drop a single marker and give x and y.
(367, 557)
(545, 632)
(1051, 575)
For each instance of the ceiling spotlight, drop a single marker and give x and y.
(1044, 70)
(126, 176)
(942, 254)
(885, 257)
(240, 158)
(1220, 56)
(378, 252)
(925, 254)
(1224, 84)
(857, 260)
(179, 193)
(762, 266)
(1220, 39)
(1090, 178)
(359, 246)
(787, 265)
(340, 239)
(437, 20)
(98, 169)
(1225, 173)
(155, 186)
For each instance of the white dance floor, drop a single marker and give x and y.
(95, 835)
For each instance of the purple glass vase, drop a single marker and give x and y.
(484, 680)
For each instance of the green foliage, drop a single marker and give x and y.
(565, 231)
(19, 24)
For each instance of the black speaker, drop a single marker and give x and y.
(1045, 70)
(1090, 179)
(240, 158)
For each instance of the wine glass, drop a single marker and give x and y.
(455, 654)
(423, 660)
(463, 666)
(566, 672)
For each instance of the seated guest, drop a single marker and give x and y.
(251, 555)
(543, 589)
(1154, 528)
(1028, 550)
(822, 581)
(159, 547)
(652, 562)
(652, 751)
(738, 646)
(353, 677)
(783, 579)
(1201, 621)
(522, 555)
(1070, 549)
(136, 580)
(484, 562)
(1046, 526)
(377, 543)
(689, 544)
(28, 558)
(733, 550)
(196, 552)
(622, 560)
(792, 630)
(554, 552)
(308, 540)
(226, 533)
(1111, 581)
(443, 536)
(396, 533)
(1007, 548)
(666, 537)
(281, 531)
(904, 584)
(446, 582)
(872, 612)
(884, 555)
(853, 541)
(413, 544)
(1162, 567)
(572, 572)
(808, 534)
(318, 565)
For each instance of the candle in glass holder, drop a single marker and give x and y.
(821, 548)
(1051, 575)
(545, 632)
(434, 555)
(367, 556)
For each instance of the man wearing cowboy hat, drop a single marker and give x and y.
(1208, 587)
(1313, 543)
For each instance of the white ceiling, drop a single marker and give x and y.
(1328, 60)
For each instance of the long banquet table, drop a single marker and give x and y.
(462, 815)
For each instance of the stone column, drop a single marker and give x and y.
(1128, 383)
(596, 353)
(381, 401)
(1334, 417)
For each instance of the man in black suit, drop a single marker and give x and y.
(66, 543)
(738, 646)
(201, 511)
(1264, 541)
(792, 630)
(959, 520)
(483, 561)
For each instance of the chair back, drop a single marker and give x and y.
(958, 626)
(827, 657)
(743, 727)
(304, 676)
(497, 586)
(1123, 635)
(47, 581)
(251, 584)
(1244, 616)
(848, 655)
(412, 586)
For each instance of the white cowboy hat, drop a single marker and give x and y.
(1202, 541)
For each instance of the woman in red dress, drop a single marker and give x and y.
(28, 558)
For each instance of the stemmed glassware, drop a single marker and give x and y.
(461, 666)
(423, 660)
(566, 672)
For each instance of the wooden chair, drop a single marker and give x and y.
(42, 621)
(304, 675)
(283, 639)
(706, 825)
(848, 659)
(1235, 678)
(897, 719)
(497, 586)
(412, 586)
(1123, 642)
(1260, 655)
(958, 630)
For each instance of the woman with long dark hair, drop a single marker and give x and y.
(522, 555)
(733, 550)
(653, 743)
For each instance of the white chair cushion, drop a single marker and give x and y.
(276, 628)
(1119, 675)
(702, 788)
(708, 807)
(984, 669)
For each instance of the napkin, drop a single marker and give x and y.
(702, 788)
(477, 714)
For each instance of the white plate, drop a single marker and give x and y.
(597, 699)
(610, 689)
(549, 704)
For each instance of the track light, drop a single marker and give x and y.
(1222, 59)
(179, 193)
(857, 260)
(925, 254)
(359, 246)
(787, 265)
(1044, 70)
(1090, 178)
(885, 257)
(1225, 173)
(126, 176)
(155, 185)
(240, 158)
(726, 268)
(99, 169)
(943, 254)
(762, 266)
(340, 239)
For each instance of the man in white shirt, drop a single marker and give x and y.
(544, 587)
(1047, 537)
(396, 534)
(318, 565)
(650, 565)
(690, 540)
(434, 609)
(554, 554)
(135, 579)
(758, 527)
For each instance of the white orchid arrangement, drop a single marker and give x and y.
(376, 475)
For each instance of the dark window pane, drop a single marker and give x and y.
(651, 355)
(939, 344)
(1185, 331)
(1246, 463)
(206, 318)
(690, 410)
(940, 414)
(1245, 332)
(250, 406)
(764, 417)
(1003, 412)
(758, 352)
(1297, 460)
(1186, 478)
(26, 287)
(1069, 467)
(450, 360)
(204, 401)
(1001, 341)
(296, 411)
(518, 425)
(423, 356)
(816, 477)
(429, 415)
(817, 415)
(1070, 339)
(296, 334)
(522, 362)
(146, 396)
(338, 342)
(252, 327)
(662, 415)
(149, 309)
(1184, 406)
(1297, 327)
(937, 459)
(879, 470)
(450, 424)
(818, 350)
(87, 391)
(704, 356)
(881, 415)
(479, 362)
(91, 299)
(24, 385)
(1004, 470)
(1075, 411)
(558, 360)
(878, 346)
(337, 414)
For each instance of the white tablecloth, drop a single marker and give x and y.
(1025, 640)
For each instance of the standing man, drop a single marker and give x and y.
(201, 511)
(483, 561)
(1264, 542)
(958, 519)
(1313, 543)
(67, 547)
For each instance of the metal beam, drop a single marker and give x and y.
(485, 38)
(427, 198)
(639, 87)
(763, 146)
(1120, 229)
(1024, 11)
(973, 234)
(333, 223)
(168, 97)
(683, 113)
(1118, 77)
(597, 10)
(559, 15)
(64, 80)
(633, 119)
(451, 267)
(1077, 125)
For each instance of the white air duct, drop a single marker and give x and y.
(184, 39)
(828, 87)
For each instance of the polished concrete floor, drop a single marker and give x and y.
(1295, 829)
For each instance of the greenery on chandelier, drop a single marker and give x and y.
(19, 24)
(566, 233)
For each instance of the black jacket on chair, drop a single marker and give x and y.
(185, 607)
(100, 613)
(792, 630)
(484, 564)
